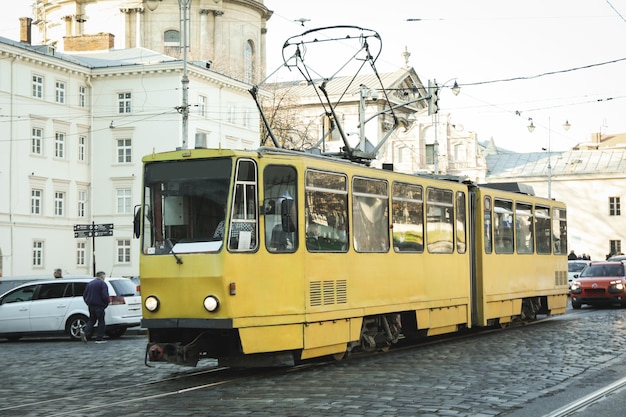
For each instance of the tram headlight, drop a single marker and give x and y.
(211, 303)
(151, 303)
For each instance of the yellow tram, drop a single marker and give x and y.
(270, 257)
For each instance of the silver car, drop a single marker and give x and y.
(56, 307)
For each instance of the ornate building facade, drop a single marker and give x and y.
(228, 35)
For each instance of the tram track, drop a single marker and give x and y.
(590, 399)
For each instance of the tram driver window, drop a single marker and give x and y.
(243, 222)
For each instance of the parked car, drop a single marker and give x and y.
(574, 268)
(56, 307)
(600, 283)
(617, 258)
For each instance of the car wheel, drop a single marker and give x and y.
(116, 333)
(576, 305)
(74, 325)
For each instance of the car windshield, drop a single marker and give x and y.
(123, 287)
(603, 271)
(576, 266)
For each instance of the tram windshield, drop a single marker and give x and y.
(184, 203)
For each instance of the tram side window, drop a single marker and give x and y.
(281, 210)
(370, 218)
(542, 229)
(461, 243)
(487, 225)
(408, 217)
(503, 226)
(243, 223)
(559, 231)
(326, 208)
(524, 228)
(439, 220)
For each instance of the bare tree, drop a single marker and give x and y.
(282, 111)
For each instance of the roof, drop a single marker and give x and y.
(96, 59)
(337, 86)
(519, 165)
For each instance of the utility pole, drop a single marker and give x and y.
(185, 6)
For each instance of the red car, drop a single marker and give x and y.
(600, 283)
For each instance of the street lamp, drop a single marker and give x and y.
(531, 128)
(433, 108)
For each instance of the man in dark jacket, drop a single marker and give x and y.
(96, 297)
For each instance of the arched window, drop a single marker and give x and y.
(171, 37)
(248, 62)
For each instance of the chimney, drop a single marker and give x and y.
(25, 29)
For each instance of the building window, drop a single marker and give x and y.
(59, 203)
(35, 201)
(171, 37)
(81, 252)
(59, 145)
(123, 201)
(248, 62)
(614, 206)
(59, 92)
(37, 141)
(430, 154)
(37, 86)
(82, 150)
(124, 102)
(82, 96)
(124, 151)
(82, 203)
(202, 106)
(38, 253)
(232, 114)
(123, 251)
(615, 247)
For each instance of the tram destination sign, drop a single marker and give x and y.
(93, 230)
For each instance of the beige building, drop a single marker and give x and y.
(227, 35)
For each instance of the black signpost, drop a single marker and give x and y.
(93, 231)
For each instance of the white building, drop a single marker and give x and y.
(74, 130)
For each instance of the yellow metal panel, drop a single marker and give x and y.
(271, 338)
(326, 333)
(324, 350)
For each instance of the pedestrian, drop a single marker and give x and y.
(572, 256)
(96, 297)
(58, 273)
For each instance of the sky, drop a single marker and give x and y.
(547, 60)
(565, 60)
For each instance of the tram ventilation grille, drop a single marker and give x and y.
(328, 292)
(560, 278)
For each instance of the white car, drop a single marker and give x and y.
(574, 268)
(53, 307)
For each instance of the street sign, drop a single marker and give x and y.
(103, 227)
(103, 233)
(93, 230)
